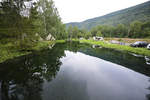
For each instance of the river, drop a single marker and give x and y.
(75, 71)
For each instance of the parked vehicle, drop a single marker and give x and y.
(139, 44)
(148, 46)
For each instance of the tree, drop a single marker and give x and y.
(70, 32)
(145, 29)
(51, 21)
(16, 22)
(135, 29)
(75, 32)
(121, 30)
(79, 34)
(99, 34)
(94, 31)
(87, 35)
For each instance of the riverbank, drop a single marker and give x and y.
(10, 51)
(140, 51)
(127, 40)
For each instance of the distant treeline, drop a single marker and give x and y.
(136, 29)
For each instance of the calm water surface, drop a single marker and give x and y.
(74, 71)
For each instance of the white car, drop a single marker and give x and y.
(148, 46)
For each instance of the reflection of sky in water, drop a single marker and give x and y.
(84, 77)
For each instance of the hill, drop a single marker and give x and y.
(139, 12)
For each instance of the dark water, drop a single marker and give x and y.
(73, 71)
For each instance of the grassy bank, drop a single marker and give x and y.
(140, 51)
(10, 51)
(127, 40)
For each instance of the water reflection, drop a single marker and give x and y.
(73, 71)
(105, 80)
(22, 78)
(122, 58)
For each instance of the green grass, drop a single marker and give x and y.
(140, 51)
(60, 41)
(63, 41)
(10, 51)
(42, 45)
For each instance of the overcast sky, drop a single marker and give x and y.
(80, 10)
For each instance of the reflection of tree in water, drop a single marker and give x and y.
(17, 82)
(129, 61)
(29, 90)
(22, 78)
(123, 58)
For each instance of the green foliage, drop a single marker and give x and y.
(146, 29)
(70, 32)
(50, 21)
(14, 23)
(120, 30)
(136, 29)
(79, 35)
(74, 32)
(99, 33)
(24, 22)
(87, 35)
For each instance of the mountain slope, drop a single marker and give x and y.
(139, 12)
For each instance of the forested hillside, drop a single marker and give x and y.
(126, 16)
